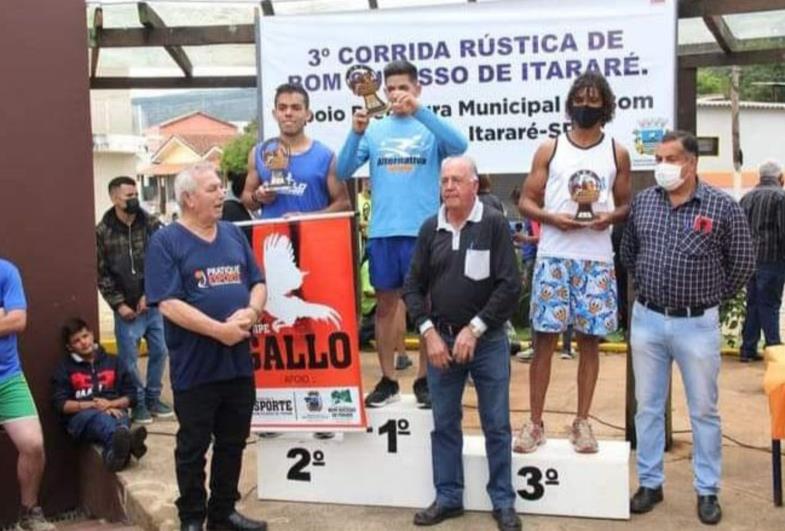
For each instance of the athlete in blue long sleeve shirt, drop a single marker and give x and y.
(404, 151)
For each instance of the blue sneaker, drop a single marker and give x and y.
(141, 415)
(159, 409)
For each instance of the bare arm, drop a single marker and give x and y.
(622, 186)
(13, 322)
(533, 195)
(622, 192)
(339, 195)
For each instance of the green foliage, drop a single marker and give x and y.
(235, 156)
(710, 81)
(732, 314)
(717, 81)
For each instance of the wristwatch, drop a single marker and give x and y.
(475, 330)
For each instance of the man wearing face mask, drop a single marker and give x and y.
(688, 247)
(121, 237)
(573, 280)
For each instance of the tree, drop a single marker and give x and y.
(716, 80)
(235, 156)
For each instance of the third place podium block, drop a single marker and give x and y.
(390, 465)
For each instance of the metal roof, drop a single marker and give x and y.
(211, 43)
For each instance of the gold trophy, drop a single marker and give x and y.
(585, 190)
(363, 82)
(275, 156)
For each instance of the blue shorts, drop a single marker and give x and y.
(389, 260)
(581, 293)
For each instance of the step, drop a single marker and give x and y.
(390, 465)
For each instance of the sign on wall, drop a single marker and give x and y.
(499, 70)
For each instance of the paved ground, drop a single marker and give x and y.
(746, 494)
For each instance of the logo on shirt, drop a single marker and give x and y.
(297, 189)
(283, 277)
(218, 276)
(402, 154)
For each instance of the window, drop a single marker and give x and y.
(708, 146)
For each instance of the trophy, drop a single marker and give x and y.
(362, 80)
(585, 190)
(275, 157)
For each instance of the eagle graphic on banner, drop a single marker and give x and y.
(282, 277)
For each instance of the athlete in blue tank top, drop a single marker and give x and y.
(311, 164)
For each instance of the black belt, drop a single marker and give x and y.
(448, 328)
(688, 311)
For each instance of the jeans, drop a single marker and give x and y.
(149, 325)
(764, 296)
(694, 343)
(490, 370)
(93, 426)
(221, 412)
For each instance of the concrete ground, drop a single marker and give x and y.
(746, 494)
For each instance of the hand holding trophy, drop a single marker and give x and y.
(585, 190)
(275, 156)
(363, 82)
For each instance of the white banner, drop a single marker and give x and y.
(500, 71)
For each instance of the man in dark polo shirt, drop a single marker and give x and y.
(202, 275)
(464, 263)
(764, 206)
(688, 247)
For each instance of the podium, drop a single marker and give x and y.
(390, 465)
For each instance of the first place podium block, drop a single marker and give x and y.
(390, 465)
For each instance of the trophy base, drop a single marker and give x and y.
(377, 110)
(585, 216)
(279, 187)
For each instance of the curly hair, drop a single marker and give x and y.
(596, 81)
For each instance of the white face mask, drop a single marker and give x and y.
(668, 175)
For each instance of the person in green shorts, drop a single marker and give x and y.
(18, 414)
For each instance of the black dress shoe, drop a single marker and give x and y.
(436, 513)
(191, 526)
(709, 510)
(236, 522)
(645, 499)
(506, 519)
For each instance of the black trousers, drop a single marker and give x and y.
(220, 411)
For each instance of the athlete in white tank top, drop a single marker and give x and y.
(572, 165)
(564, 291)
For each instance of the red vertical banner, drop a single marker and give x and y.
(306, 345)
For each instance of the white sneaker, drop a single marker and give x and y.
(525, 356)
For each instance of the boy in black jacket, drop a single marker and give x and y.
(92, 392)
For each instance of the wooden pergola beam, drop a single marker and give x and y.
(150, 19)
(173, 82)
(741, 58)
(176, 36)
(706, 8)
(98, 24)
(722, 33)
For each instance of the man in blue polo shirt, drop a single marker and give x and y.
(405, 151)
(18, 414)
(311, 164)
(202, 275)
